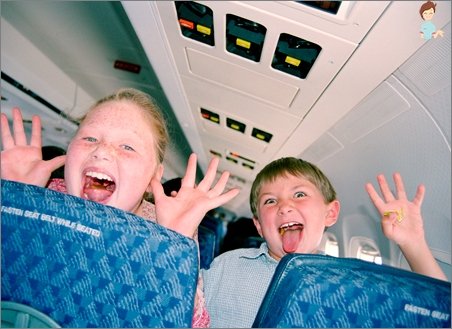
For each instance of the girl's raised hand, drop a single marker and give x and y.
(21, 162)
(401, 219)
(184, 211)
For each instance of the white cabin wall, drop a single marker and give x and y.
(412, 138)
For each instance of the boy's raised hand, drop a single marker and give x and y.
(184, 211)
(21, 162)
(401, 219)
(405, 227)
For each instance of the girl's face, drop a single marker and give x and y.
(112, 158)
(293, 215)
(428, 14)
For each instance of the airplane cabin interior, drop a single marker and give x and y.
(347, 85)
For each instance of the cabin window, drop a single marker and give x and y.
(365, 249)
(330, 244)
(368, 253)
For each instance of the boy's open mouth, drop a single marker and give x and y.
(98, 186)
(291, 235)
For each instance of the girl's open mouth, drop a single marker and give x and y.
(98, 186)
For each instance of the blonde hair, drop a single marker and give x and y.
(151, 110)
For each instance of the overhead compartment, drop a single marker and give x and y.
(265, 56)
(266, 36)
(267, 65)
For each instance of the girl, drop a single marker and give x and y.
(115, 158)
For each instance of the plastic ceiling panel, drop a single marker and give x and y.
(352, 22)
(235, 168)
(236, 104)
(245, 110)
(16, 51)
(411, 144)
(376, 58)
(240, 79)
(334, 54)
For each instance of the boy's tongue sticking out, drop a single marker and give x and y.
(291, 236)
(98, 187)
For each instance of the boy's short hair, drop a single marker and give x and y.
(296, 167)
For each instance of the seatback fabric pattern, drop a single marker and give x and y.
(207, 240)
(312, 291)
(85, 264)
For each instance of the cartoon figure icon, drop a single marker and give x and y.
(428, 29)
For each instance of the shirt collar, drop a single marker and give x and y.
(253, 253)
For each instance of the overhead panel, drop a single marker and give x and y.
(258, 136)
(218, 60)
(331, 7)
(241, 79)
(295, 56)
(253, 70)
(196, 21)
(244, 37)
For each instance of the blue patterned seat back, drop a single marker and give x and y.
(207, 241)
(88, 265)
(312, 291)
(217, 226)
(253, 242)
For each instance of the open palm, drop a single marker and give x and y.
(410, 228)
(21, 162)
(184, 211)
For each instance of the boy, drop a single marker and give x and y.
(292, 203)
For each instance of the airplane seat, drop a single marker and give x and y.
(253, 242)
(217, 226)
(84, 264)
(311, 291)
(241, 234)
(206, 240)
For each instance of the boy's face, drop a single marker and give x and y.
(293, 215)
(112, 158)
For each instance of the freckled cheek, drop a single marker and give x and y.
(78, 150)
(133, 162)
